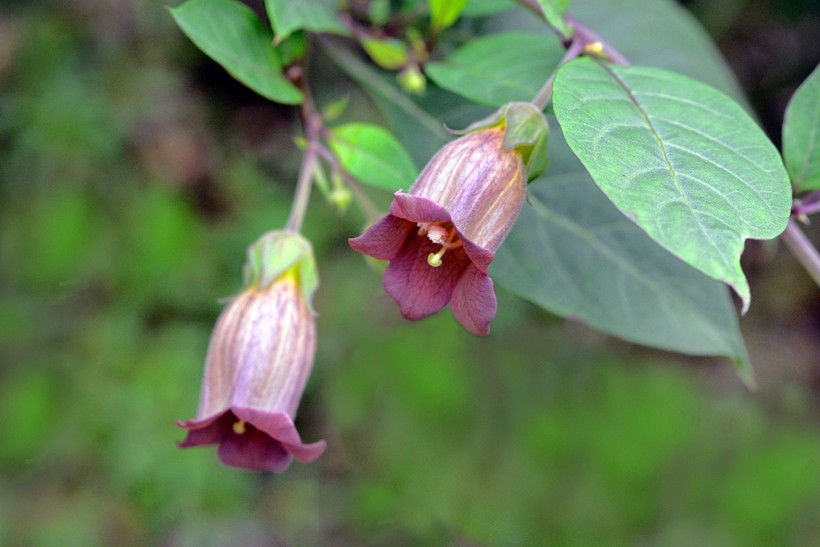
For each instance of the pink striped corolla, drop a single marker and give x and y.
(259, 360)
(442, 234)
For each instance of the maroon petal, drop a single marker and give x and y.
(481, 257)
(417, 209)
(254, 450)
(279, 426)
(419, 289)
(384, 239)
(208, 431)
(473, 301)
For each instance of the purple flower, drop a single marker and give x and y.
(259, 360)
(441, 236)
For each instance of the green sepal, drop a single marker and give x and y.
(526, 129)
(275, 254)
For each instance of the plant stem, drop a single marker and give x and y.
(806, 205)
(588, 37)
(802, 249)
(582, 39)
(303, 184)
(544, 96)
(311, 124)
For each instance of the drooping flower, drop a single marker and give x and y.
(441, 236)
(259, 360)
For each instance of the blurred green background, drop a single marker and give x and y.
(133, 173)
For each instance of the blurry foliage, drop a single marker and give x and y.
(127, 197)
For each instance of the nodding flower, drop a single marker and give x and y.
(259, 360)
(442, 234)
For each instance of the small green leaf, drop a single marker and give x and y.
(679, 158)
(292, 49)
(554, 14)
(572, 253)
(373, 156)
(500, 68)
(388, 53)
(443, 13)
(288, 16)
(230, 34)
(334, 110)
(801, 134)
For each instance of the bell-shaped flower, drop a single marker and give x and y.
(259, 360)
(441, 236)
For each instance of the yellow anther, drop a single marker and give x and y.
(595, 48)
(239, 427)
(436, 234)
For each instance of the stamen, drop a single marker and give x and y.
(436, 234)
(434, 259)
(239, 427)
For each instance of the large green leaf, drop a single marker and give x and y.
(574, 254)
(500, 68)
(288, 16)
(679, 158)
(801, 134)
(231, 34)
(373, 156)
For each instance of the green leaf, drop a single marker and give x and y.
(572, 253)
(230, 34)
(373, 156)
(498, 69)
(444, 13)
(680, 159)
(801, 134)
(388, 53)
(288, 16)
(553, 11)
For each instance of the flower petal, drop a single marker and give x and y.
(473, 301)
(254, 450)
(384, 239)
(201, 432)
(279, 426)
(419, 289)
(417, 209)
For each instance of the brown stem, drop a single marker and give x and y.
(802, 249)
(311, 124)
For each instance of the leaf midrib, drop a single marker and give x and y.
(661, 145)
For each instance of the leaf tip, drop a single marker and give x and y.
(746, 373)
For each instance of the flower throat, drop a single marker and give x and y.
(439, 235)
